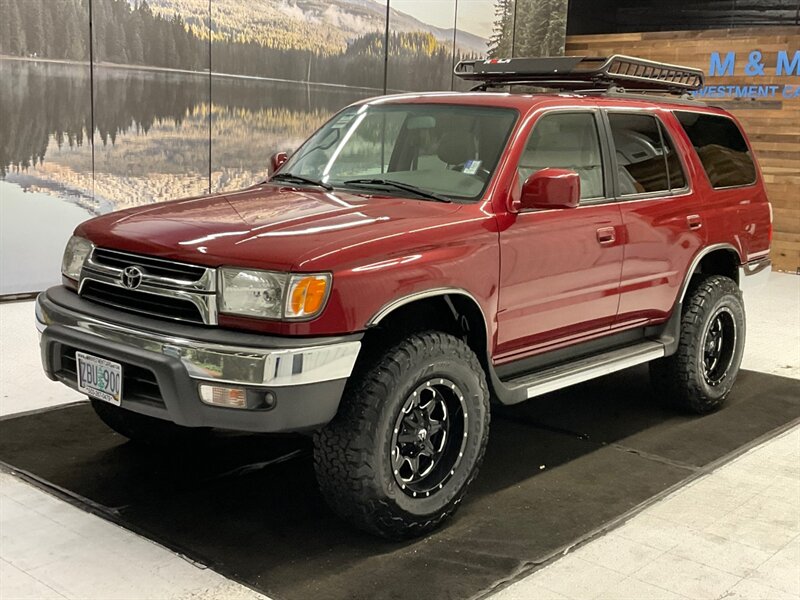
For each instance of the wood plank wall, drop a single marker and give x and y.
(773, 125)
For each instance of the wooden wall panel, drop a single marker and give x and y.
(772, 124)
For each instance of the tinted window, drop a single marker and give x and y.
(677, 179)
(566, 141)
(646, 159)
(721, 148)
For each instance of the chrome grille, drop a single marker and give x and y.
(141, 302)
(155, 266)
(163, 288)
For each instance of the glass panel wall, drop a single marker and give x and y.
(173, 98)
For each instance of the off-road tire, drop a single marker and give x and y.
(680, 379)
(353, 454)
(146, 430)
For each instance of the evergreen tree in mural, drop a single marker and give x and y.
(534, 27)
(501, 42)
(540, 27)
(123, 33)
(45, 28)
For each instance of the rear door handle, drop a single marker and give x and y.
(606, 236)
(694, 221)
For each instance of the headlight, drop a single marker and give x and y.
(271, 295)
(252, 293)
(76, 252)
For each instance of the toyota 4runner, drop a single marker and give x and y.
(417, 257)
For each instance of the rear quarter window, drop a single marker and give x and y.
(721, 147)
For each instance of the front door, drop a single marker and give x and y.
(560, 269)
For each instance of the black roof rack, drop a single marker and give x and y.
(582, 73)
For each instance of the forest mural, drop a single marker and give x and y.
(169, 98)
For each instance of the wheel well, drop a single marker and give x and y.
(456, 314)
(720, 262)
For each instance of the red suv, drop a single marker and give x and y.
(418, 257)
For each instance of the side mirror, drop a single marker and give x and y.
(550, 188)
(276, 161)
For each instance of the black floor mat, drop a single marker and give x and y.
(556, 470)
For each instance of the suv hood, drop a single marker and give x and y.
(267, 226)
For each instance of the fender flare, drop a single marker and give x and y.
(393, 305)
(696, 262)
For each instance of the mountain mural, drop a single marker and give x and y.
(325, 26)
(186, 96)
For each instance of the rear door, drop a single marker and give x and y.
(663, 221)
(560, 268)
(737, 210)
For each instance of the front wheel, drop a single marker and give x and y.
(408, 439)
(701, 373)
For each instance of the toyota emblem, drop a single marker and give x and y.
(132, 277)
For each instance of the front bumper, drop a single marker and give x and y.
(164, 363)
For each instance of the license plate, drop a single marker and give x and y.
(99, 378)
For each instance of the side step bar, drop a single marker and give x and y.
(565, 375)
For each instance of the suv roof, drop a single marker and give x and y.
(524, 102)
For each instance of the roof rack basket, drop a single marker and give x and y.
(582, 73)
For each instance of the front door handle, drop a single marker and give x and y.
(606, 236)
(694, 221)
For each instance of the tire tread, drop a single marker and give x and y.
(342, 450)
(677, 377)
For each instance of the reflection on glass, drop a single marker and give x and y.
(252, 119)
(26, 266)
(425, 150)
(151, 135)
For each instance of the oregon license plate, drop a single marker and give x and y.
(99, 378)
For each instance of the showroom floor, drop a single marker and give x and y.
(734, 533)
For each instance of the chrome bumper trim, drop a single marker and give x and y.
(273, 367)
(754, 275)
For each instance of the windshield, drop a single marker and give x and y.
(441, 151)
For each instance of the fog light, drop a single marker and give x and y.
(218, 395)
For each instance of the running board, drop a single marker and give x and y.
(565, 375)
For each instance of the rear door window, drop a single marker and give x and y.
(677, 180)
(721, 147)
(646, 158)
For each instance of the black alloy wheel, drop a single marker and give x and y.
(429, 437)
(719, 347)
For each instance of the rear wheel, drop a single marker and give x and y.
(700, 375)
(408, 439)
(147, 430)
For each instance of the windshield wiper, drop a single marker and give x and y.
(406, 187)
(301, 179)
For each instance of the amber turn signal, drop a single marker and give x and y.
(307, 295)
